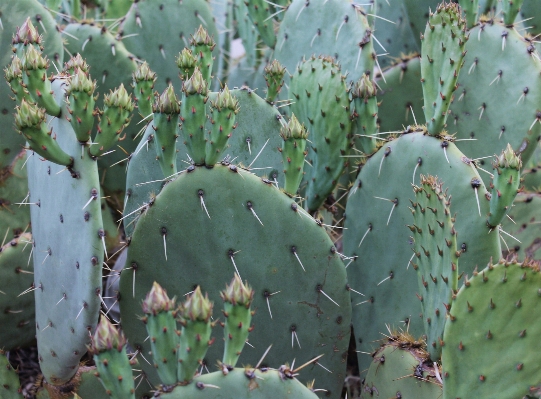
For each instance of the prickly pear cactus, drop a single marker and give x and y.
(256, 148)
(14, 14)
(246, 383)
(480, 110)
(376, 215)
(16, 300)
(436, 256)
(10, 387)
(401, 95)
(341, 31)
(157, 31)
(492, 336)
(68, 252)
(442, 55)
(321, 102)
(111, 65)
(524, 223)
(401, 368)
(228, 219)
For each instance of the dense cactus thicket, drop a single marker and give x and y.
(303, 198)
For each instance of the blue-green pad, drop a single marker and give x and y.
(68, 252)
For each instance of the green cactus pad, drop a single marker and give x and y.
(14, 218)
(492, 337)
(341, 31)
(158, 31)
(494, 105)
(380, 240)
(442, 56)
(365, 112)
(245, 143)
(524, 223)
(321, 102)
(10, 388)
(436, 257)
(16, 311)
(401, 368)
(68, 253)
(505, 185)
(400, 92)
(242, 383)
(227, 220)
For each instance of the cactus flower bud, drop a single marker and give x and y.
(508, 159)
(364, 88)
(196, 84)
(186, 62)
(143, 73)
(224, 100)
(157, 300)
(202, 37)
(119, 98)
(33, 60)
(197, 307)
(81, 82)
(76, 62)
(27, 34)
(29, 114)
(294, 129)
(167, 102)
(107, 337)
(238, 293)
(14, 69)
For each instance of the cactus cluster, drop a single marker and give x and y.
(365, 177)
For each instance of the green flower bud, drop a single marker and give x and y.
(196, 84)
(107, 337)
(237, 292)
(33, 59)
(364, 88)
(119, 98)
(29, 115)
(294, 129)
(197, 307)
(224, 100)
(14, 69)
(81, 82)
(202, 37)
(157, 300)
(275, 70)
(508, 159)
(27, 34)
(167, 102)
(143, 73)
(76, 62)
(186, 62)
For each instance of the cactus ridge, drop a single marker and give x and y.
(436, 256)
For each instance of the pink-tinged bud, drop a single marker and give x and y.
(197, 307)
(157, 300)
(107, 337)
(238, 293)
